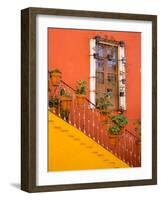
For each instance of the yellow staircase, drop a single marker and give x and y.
(70, 149)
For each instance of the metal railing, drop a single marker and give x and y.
(87, 119)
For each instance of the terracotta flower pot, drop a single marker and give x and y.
(80, 99)
(66, 103)
(112, 139)
(55, 78)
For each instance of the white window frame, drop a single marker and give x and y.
(121, 73)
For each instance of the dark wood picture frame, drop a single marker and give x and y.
(28, 98)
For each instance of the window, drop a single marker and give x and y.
(107, 71)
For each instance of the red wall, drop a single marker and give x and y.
(69, 51)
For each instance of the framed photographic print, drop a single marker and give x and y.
(89, 99)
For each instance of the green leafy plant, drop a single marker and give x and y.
(54, 102)
(114, 130)
(81, 87)
(103, 103)
(64, 93)
(119, 120)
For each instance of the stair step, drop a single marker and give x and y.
(70, 149)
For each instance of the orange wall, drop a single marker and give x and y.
(69, 51)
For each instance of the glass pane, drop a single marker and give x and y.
(111, 77)
(106, 72)
(100, 65)
(111, 56)
(100, 77)
(100, 51)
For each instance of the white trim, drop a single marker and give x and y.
(108, 43)
(92, 72)
(121, 68)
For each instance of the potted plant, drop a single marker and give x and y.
(65, 100)
(114, 131)
(137, 129)
(53, 104)
(55, 76)
(121, 121)
(103, 104)
(81, 91)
